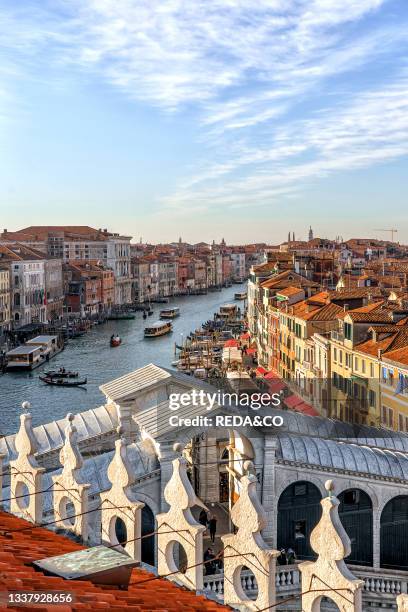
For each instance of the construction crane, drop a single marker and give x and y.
(392, 232)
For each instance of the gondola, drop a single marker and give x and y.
(60, 382)
(61, 374)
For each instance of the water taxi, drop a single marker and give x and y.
(240, 296)
(170, 313)
(160, 328)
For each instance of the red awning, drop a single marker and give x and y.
(275, 385)
(251, 351)
(245, 336)
(293, 401)
(306, 409)
(230, 343)
(260, 371)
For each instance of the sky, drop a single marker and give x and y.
(235, 119)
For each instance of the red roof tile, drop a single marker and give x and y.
(19, 549)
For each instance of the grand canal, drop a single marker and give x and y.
(92, 356)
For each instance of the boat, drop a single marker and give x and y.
(160, 328)
(115, 340)
(61, 373)
(240, 296)
(170, 313)
(33, 353)
(61, 382)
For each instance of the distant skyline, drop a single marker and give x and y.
(242, 120)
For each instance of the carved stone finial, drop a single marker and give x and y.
(329, 572)
(249, 517)
(25, 473)
(69, 489)
(402, 603)
(119, 503)
(184, 529)
(249, 467)
(178, 447)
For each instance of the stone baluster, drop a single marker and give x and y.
(25, 473)
(248, 548)
(329, 574)
(70, 495)
(119, 509)
(402, 603)
(184, 530)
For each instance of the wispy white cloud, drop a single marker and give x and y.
(271, 83)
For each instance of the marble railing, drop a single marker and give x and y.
(380, 586)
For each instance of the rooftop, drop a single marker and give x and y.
(21, 543)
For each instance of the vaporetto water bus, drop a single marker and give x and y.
(170, 313)
(160, 328)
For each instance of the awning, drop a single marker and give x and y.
(231, 343)
(306, 409)
(251, 351)
(260, 371)
(292, 401)
(275, 386)
(245, 336)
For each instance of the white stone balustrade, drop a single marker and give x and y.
(25, 473)
(247, 548)
(70, 495)
(118, 505)
(178, 528)
(329, 576)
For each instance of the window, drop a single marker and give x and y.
(363, 366)
(335, 355)
(371, 397)
(372, 370)
(387, 416)
(356, 363)
(348, 331)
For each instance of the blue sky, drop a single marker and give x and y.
(227, 118)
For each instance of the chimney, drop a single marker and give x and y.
(379, 353)
(345, 307)
(4, 231)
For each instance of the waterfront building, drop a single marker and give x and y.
(141, 279)
(5, 301)
(83, 289)
(54, 289)
(27, 283)
(73, 243)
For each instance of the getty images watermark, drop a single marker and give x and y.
(208, 401)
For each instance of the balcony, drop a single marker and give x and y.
(380, 590)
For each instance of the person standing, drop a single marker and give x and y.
(212, 525)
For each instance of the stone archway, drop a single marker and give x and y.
(394, 534)
(356, 515)
(299, 511)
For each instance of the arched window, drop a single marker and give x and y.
(394, 534)
(299, 511)
(16, 299)
(356, 515)
(147, 543)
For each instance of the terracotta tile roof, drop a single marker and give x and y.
(19, 549)
(399, 355)
(289, 291)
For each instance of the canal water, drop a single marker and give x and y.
(92, 356)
